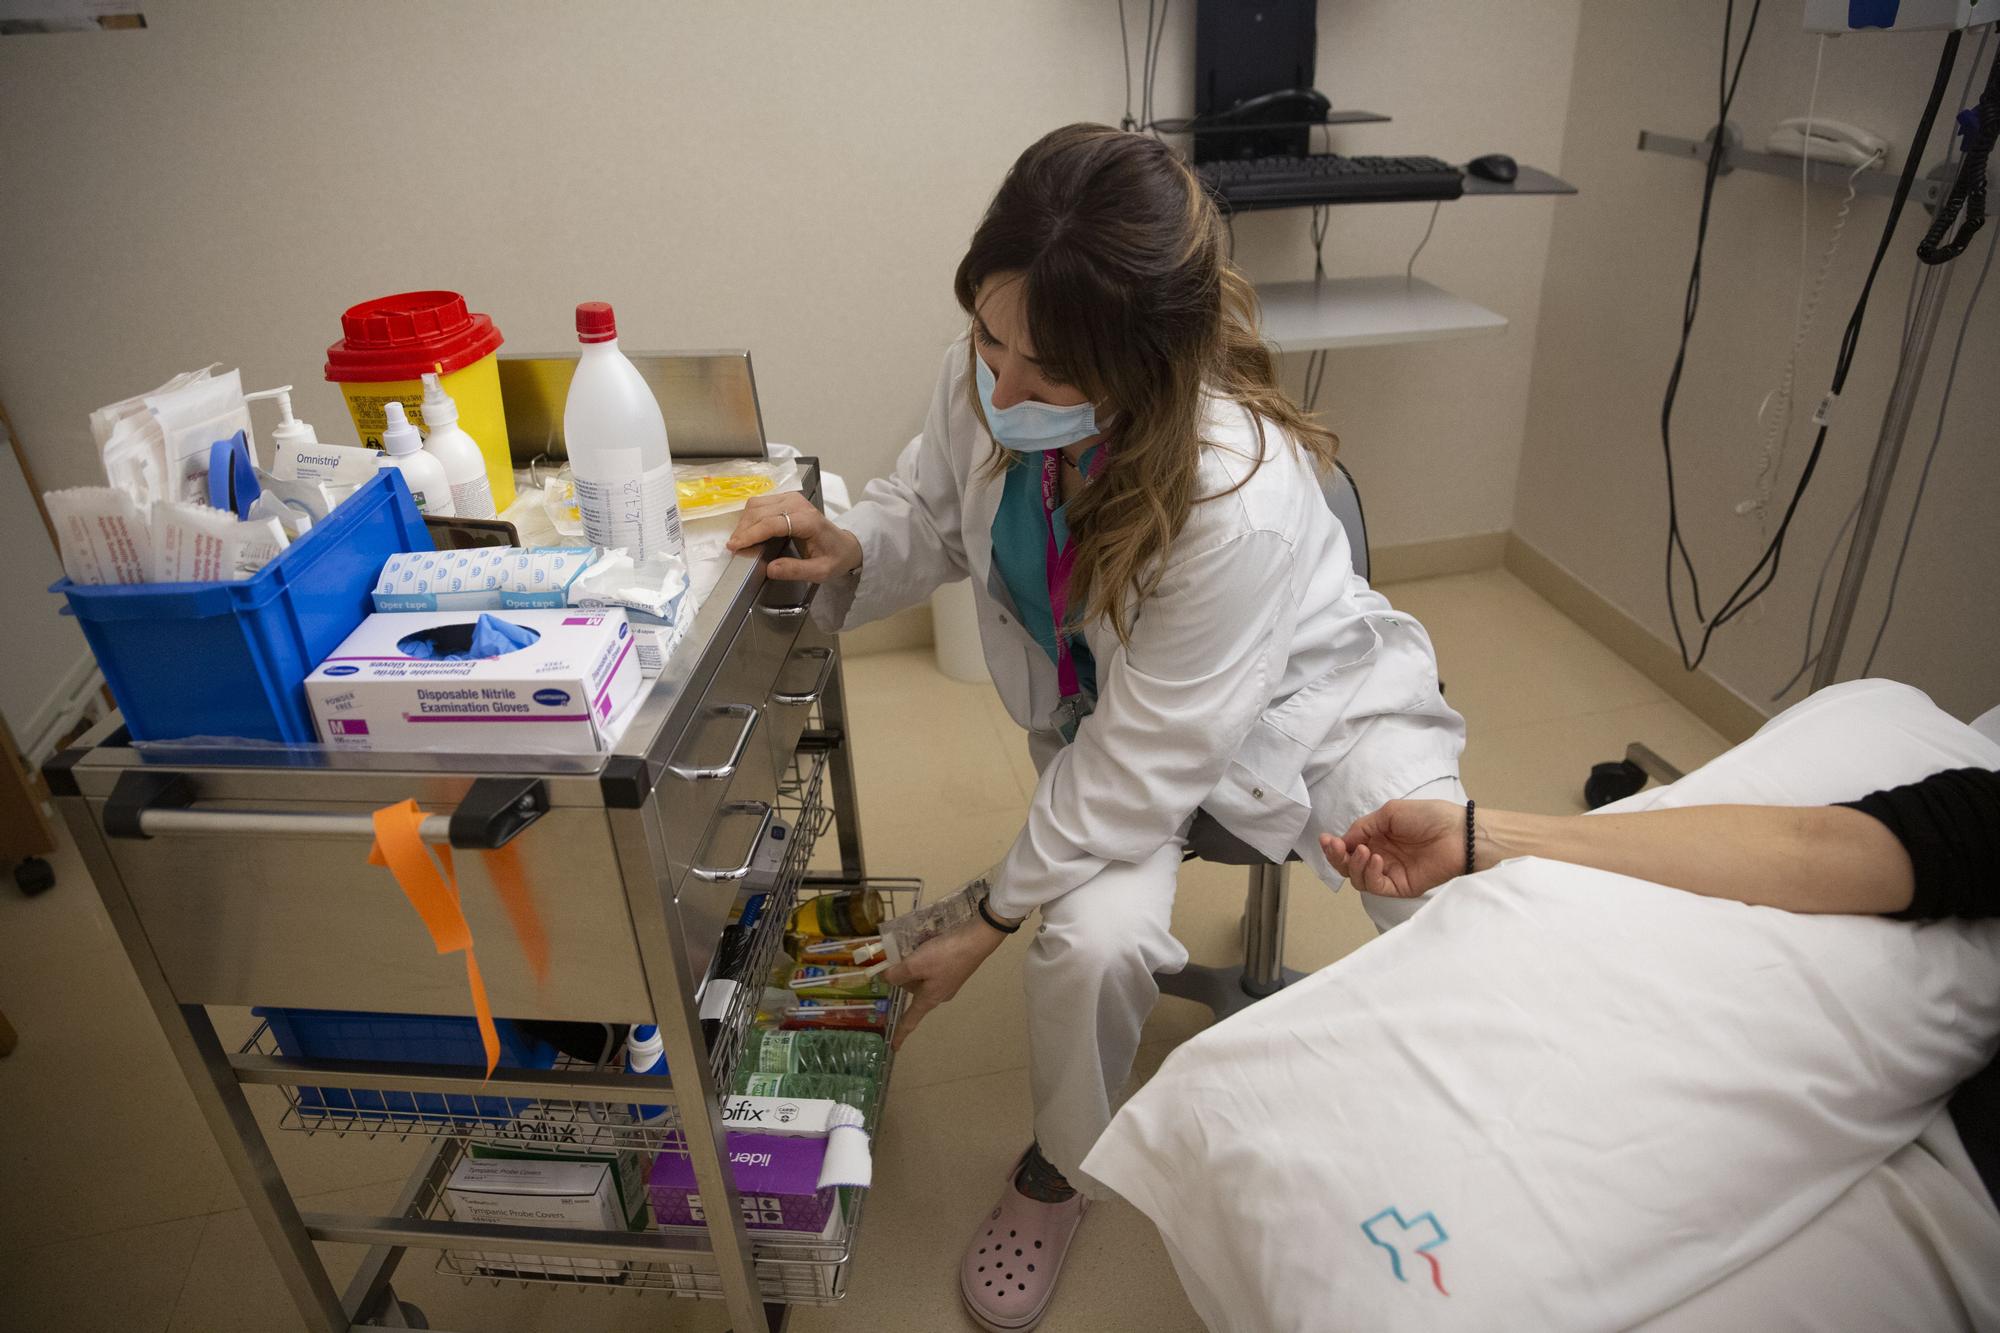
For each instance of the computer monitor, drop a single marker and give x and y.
(1246, 49)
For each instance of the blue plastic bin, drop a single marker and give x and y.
(230, 659)
(334, 1034)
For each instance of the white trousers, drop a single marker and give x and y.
(1090, 978)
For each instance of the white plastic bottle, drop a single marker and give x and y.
(618, 446)
(464, 465)
(645, 1053)
(404, 449)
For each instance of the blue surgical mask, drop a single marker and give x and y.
(1029, 427)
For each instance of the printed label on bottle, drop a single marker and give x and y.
(763, 1085)
(473, 499)
(626, 505)
(774, 1056)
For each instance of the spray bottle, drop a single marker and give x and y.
(404, 447)
(464, 465)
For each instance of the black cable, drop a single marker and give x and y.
(1146, 73)
(1125, 54)
(1766, 568)
(1968, 192)
(1153, 66)
(1690, 304)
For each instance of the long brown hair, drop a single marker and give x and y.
(1131, 298)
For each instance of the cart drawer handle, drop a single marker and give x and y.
(727, 769)
(757, 840)
(819, 686)
(148, 803)
(789, 610)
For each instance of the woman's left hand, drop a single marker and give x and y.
(934, 973)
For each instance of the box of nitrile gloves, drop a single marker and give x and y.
(777, 1175)
(547, 681)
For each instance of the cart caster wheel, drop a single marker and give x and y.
(412, 1316)
(34, 875)
(1612, 782)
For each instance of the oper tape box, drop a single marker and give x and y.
(388, 686)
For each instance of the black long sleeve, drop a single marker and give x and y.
(1949, 823)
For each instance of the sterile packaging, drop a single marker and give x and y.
(132, 443)
(102, 535)
(904, 935)
(339, 467)
(192, 418)
(488, 578)
(568, 1195)
(196, 544)
(307, 501)
(814, 1259)
(651, 591)
(566, 692)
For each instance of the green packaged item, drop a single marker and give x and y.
(862, 1053)
(847, 1089)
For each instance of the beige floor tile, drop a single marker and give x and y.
(100, 1128)
(926, 742)
(1541, 766)
(954, 1144)
(116, 1280)
(1507, 657)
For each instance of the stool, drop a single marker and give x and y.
(1227, 990)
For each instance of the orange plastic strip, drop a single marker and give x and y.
(399, 845)
(510, 885)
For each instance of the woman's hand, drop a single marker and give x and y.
(827, 550)
(1403, 849)
(934, 973)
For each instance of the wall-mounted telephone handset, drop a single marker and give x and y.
(1829, 141)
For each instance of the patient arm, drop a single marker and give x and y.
(1799, 858)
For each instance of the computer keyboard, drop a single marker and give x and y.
(1328, 178)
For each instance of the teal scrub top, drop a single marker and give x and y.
(1020, 553)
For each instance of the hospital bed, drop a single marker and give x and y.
(1560, 1098)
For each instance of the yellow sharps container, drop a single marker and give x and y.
(391, 342)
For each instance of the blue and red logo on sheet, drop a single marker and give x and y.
(1418, 1235)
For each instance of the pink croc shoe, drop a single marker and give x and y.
(1011, 1266)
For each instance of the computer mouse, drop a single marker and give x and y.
(1494, 167)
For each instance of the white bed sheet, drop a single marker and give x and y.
(1560, 1099)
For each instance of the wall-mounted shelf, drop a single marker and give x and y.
(1366, 312)
(1926, 190)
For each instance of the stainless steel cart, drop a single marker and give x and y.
(238, 877)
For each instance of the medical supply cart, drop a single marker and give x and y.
(238, 877)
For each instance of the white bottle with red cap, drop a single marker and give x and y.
(617, 444)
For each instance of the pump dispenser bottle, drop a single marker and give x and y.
(404, 448)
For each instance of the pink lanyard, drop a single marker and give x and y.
(1059, 564)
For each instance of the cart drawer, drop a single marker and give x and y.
(304, 922)
(801, 681)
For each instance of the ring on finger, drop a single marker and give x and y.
(788, 524)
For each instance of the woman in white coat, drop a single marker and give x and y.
(1166, 604)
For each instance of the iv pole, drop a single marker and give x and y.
(1882, 470)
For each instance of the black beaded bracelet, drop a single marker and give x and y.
(986, 915)
(1468, 836)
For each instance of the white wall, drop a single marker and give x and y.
(1592, 491)
(796, 178)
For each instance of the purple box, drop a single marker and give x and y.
(777, 1175)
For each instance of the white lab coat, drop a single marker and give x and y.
(1264, 682)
